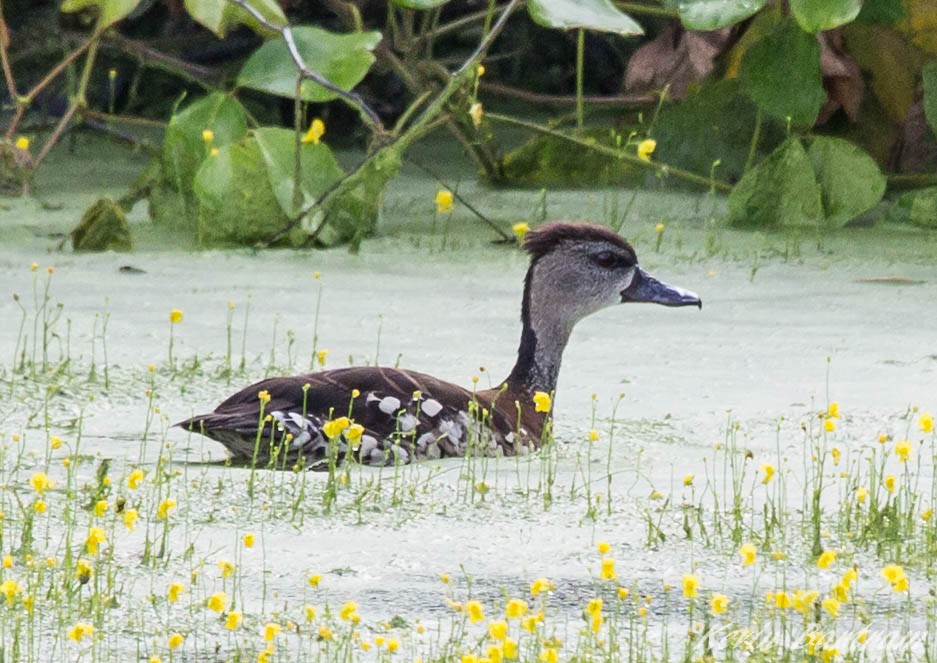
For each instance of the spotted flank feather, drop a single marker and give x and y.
(403, 415)
(383, 416)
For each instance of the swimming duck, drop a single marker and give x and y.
(383, 416)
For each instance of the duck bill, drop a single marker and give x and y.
(645, 288)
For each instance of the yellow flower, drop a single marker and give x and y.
(8, 561)
(604, 547)
(217, 601)
(836, 454)
(22, 143)
(520, 230)
(903, 450)
(310, 612)
(646, 148)
(474, 611)
(9, 588)
(335, 427)
(596, 622)
(608, 569)
(926, 422)
(263, 396)
(321, 356)
(175, 640)
(890, 483)
(829, 425)
(476, 112)
(690, 585)
(749, 553)
(861, 494)
(826, 559)
(594, 607)
(133, 481)
(232, 621)
(515, 608)
(593, 435)
(541, 585)
(768, 470)
(80, 630)
(498, 629)
(832, 412)
(623, 593)
(510, 648)
(549, 655)
(55, 442)
(642, 611)
(40, 506)
(226, 568)
(100, 508)
(719, 604)
(443, 201)
(659, 228)
(349, 611)
(314, 580)
(862, 636)
(324, 632)
(803, 601)
(130, 518)
(83, 571)
(831, 606)
(542, 401)
(840, 591)
(271, 631)
(894, 574)
(315, 132)
(353, 435)
(393, 644)
(882, 438)
(208, 135)
(162, 511)
(688, 480)
(40, 482)
(248, 540)
(95, 538)
(480, 70)
(175, 316)
(927, 515)
(782, 600)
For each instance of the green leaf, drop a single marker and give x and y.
(850, 180)
(110, 11)
(236, 204)
(714, 14)
(420, 4)
(219, 16)
(930, 94)
(920, 207)
(881, 12)
(600, 15)
(184, 147)
(819, 15)
(780, 191)
(781, 74)
(343, 59)
(318, 167)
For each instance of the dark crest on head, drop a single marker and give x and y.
(546, 238)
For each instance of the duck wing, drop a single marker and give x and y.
(405, 416)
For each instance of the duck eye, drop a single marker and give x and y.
(606, 259)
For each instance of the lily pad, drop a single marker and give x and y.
(599, 15)
(715, 14)
(849, 178)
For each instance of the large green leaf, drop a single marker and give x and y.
(819, 15)
(219, 16)
(236, 204)
(850, 180)
(343, 59)
(780, 191)
(714, 14)
(600, 15)
(781, 74)
(184, 147)
(420, 4)
(318, 167)
(110, 11)
(930, 94)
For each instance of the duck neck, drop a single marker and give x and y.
(543, 339)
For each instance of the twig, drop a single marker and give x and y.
(4, 59)
(59, 130)
(150, 57)
(627, 101)
(491, 224)
(368, 114)
(658, 167)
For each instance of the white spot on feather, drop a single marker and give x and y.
(389, 404)
(431, 407)
(407, 423)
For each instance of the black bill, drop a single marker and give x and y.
(645, 288)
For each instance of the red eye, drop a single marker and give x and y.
(606, 259)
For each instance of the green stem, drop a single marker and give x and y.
(756, 135)
(580, 56)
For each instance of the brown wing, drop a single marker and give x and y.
(406, 415)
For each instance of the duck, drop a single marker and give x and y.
(384, 416)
